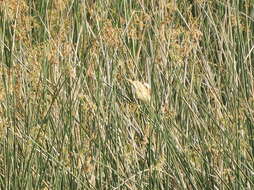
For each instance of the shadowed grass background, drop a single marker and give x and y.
(69, 118)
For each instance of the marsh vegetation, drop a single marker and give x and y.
(70, 118)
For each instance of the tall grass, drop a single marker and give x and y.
(69, 119)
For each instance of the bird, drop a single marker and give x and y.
(142, 90)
